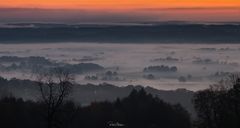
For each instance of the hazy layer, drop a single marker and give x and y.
(200, 61)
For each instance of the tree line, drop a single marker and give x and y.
(216, 107)
(54, 109)
(138, 110)
(219, 106)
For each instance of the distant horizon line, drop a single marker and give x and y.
(144, 9)
(126, 23)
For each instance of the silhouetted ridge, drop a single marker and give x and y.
(138, 110)
(85, 94)
(165, 33)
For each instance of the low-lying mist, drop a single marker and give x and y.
(170, 66)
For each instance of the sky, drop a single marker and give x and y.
(119, 10)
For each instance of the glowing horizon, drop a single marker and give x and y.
(124, 10)
(119, 5)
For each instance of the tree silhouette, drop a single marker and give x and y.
(138, 110)
(219, 106)
(55, 87)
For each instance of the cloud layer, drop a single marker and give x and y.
(105, 16)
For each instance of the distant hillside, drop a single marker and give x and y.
(144, 33)
(85, 94)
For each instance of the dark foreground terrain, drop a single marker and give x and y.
(137, 110)
(85, 94)
(24, 104)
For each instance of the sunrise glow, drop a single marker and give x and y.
(117, 4)
(121, 10)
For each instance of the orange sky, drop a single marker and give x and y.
(117, 4)
(123, 10)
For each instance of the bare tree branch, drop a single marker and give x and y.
(55, 87)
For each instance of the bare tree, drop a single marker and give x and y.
(226, 83)
(55, 87)
(219, 106)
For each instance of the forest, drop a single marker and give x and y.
(216, 107)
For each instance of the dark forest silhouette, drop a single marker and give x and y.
(219, 106)
(216, 107)
(138, 110)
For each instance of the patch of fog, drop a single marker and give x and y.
(131, 59)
